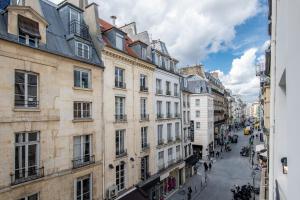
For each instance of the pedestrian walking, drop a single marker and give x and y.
(190, 193)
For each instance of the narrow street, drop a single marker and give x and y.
(225, 173)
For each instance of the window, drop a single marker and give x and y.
(144, 53)
(168, 91)
(169, 132)
(82, 150)
(197, 113)
(143, 108)
(197, 125)
(28, 40)
(176, 110)
(159, 109)
(119, 78)
(188, 117)
(29, 33)
(83, 188)
(120, 137)
(197, 102)
(82, 78)
(144, 167)
(119, 41)
(177, 129)
(75, 21)
(143, 83)
(144, 136)
(158, 86)
(75, 16)
(31, 197)
(184, 117)
(175, 89)
(178, 152)
(168, 109)
(170, 154)
(120, 107)
(26, 156)
(82, 50)
(120, 176)
(26, 89)
(82, 110)
(160, 160)
(160, 134)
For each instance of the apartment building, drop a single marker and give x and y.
(51, 103)
(128, 111)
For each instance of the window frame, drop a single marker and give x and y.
(120, 142)
(120, 105)
(81, 111)
(81, 70)
(82, 147)
(119, 174)
(82, 50)
(30, 196)
(119, 77)
(121, 39)
(144, 136)
(81, 179)
(143, 103)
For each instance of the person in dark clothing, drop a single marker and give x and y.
(205, 166)
(209, 165)
(190, 193)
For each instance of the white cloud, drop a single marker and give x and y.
(241, 78)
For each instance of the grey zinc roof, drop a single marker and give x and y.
(195, 84)
(56, 35)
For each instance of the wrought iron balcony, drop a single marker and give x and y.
(160, 142)
(170, 139)
(120, 84)
(169, 115)
(121, 153)
(144, 117)
(25, 175)
(159, 91)
(121, 118)
(160, 116)
(83, 161)
(79, 29)
(144, 89)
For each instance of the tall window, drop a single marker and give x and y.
(83, 188)
(168, 89)
(158, 86)
(82, 50)
(82, 78)
(119, 78)
(143, 108)
(26, 89)
(119, 41)
(197, 102)
(176, 109)
(159, 108)
(197, 125)
(120, 137)
(188, 116)
(120, 176)
(31, 197)
(75, 21)
(175, 89)
(120, 106)
(26, 156)
(170, 154)
(178, 152)
(177, 129)
(161, 159)
(168, 109)
(144, 137)
(160, 134)
(169, 131)
(197, 113)
(82, 150)
(144, 53)
(184, 117)
(144, 167)
(82, 110)
(143, 82)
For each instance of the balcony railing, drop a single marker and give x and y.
(145, 146)
(26, 103)
(168, 92)
(121, 153)
(144, 117)
(23, 175)
(144, 89)
(160, 142)
(177, 115)
(158, 91)
(160, 116)
(83, 161)
(178, 138)
(121, 118)
(80, 29)
(169, 115)
(120, 84)
(170, 139)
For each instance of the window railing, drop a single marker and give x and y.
(160, 142)
(120, 84)
(159, 91)
(121, 153)
(168, 92)
(143, 88)
(121, 118)
(80, 29)
(169, 115)
(23, 175)
(160, 116)
(26, 103)
(144, 117)
(177, 115)
(145, 146)
(83, 161)
(170, 139)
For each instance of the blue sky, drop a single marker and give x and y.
(251, 34)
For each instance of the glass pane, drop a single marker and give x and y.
(19, 77)
(32, 159)
(77, 147)
(86, 185)
(33, 197)
(85, 79)
(76, 78)
(32, 91)
(78, 188)
(20, 89)
(32, 79)
(32, 137)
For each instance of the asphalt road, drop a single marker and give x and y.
(225, 173)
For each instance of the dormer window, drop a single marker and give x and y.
(144, 53)
(119, 41)
(82, 50)
(29, 33)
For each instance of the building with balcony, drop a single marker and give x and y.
(128, 110)
(51, 96)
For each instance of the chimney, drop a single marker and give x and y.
(113, 19)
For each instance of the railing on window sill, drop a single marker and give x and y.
(121, 153)
(160, 142)
(144, 117)
(170, 140)
(145, 147)
(169, 115)
(121, 118)
(119, 84)
(26, 104)
(83, 161)
(168, 93)
(80, 29)
(144, 89)
(22, 176)
(159, 92)
(160, 116)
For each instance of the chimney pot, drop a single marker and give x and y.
(113, 18)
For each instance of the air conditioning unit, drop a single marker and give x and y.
(111, 192)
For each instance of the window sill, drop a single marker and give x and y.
(83, 120)
(83, 89)
(119, 88)
(26, 110)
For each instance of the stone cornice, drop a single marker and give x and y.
(132, 60)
